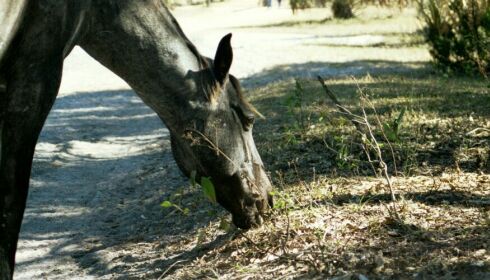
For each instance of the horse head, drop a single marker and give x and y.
(216, 141)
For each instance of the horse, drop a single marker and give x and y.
(201, 104)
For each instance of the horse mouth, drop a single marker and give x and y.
(247, 222)
(253, 216)
(254, 202)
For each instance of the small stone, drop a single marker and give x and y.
(480, 253)
(57, 163)
(479, 263)
(363, 277)
(379, 261)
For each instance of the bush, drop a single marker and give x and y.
(300, 4)
(306, 4)
(320, 3)
(458, 33)
(342, 9)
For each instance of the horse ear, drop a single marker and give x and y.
(223, 59)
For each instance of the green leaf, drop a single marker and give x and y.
(166, 204)
(224, 224)
(389, 132)
(201, 237)
(208, 188)
(399, 120)
(280, 204)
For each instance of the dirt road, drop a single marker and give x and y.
(103, 162)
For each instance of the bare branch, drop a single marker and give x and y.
(356, 121)
(369, 142)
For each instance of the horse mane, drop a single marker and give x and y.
(210, 88)
(236, 85)
(204, 63)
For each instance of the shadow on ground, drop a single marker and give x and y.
(311, 70)
(102, 167)
(438, 197)
(289, 23)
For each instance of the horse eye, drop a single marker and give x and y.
(247, 118)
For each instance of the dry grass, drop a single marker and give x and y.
(340, 228)
(331, 218)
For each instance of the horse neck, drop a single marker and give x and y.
(142, 43)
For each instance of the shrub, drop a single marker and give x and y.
(342, 9)
(458, 33)
(321, 3)
(300, 4)
(306, 4)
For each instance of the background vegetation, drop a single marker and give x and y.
(458, 33)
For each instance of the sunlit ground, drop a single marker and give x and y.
(268, 38)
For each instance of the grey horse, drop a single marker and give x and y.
(201, 104)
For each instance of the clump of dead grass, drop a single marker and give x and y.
(331, 218)
(340, 228)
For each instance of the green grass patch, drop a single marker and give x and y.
(445, 124)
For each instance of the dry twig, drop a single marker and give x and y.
(367, 134)
(342, 109)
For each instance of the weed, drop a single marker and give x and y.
(169, 204)
(392, 129)
(175, 200)
(296, 107)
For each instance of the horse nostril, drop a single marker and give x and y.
(270, 200)
(259, 204)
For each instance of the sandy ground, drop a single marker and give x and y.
(103, 162)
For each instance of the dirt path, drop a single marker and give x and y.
(103, 162)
